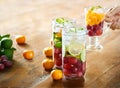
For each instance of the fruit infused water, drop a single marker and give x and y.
(74, 52)
(95, 20)
(94, 17)
(57, 26)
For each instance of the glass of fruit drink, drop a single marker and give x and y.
(74, 52)
(94, 19)
(57, 27)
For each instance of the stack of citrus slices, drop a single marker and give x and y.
(93, 17)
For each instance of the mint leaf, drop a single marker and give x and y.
(13, 48)
(5, 36)
(95, 7)
(80, 29)
(58, 44)
(60, 20)
(0, 37)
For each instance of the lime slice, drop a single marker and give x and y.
(58, 44)
(75, 48)
(82, 55)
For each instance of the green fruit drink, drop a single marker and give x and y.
(74, 52)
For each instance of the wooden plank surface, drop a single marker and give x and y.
(32, 18)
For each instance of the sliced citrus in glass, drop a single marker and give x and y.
(82, 55)
(75, 48)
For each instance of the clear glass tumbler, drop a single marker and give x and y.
(94, 19)
(58, 25)
(74, 52)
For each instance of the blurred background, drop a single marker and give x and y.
(33, 19)
(21, 16)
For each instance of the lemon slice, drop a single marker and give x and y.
(75, 48)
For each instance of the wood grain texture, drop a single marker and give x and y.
(32, 18)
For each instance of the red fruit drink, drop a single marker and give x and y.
(73, 53)
(57, 43)
(94, 18)
(94, 21)
(58, 25)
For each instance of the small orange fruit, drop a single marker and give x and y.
(48, 64)
(57, 74)
(48, 51)
(20, 39)
(28, 54)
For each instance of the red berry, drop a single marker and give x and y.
(58, 63)
(78, 64)
(57, 50)
(72, 60)
(8, 63)
(79, 74)
(91, 33)
(65, 60)
(96, 27)
(66, 72)
(2, 67)
(3, 57)
(67, 66)
(74, 70)
(89, 27)
(101, 24)
(99, 32)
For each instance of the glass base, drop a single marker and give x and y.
(94, 44)
(94, 48)
(72, 77)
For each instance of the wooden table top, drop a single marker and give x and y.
(33, 19)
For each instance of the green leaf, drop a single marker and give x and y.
(0, 37)
(13, 48)
(60, 20)
(58, 44)
(5, 36)
(80, 29)
(95, 7)
(9, 53)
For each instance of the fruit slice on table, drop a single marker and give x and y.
(48, 64)
(28, 54)
(57, 74)
(48, 51)
(75, 48)
(6, 43)
(20, 39)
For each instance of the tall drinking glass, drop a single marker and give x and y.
(74, 52)
(58, 25)
(94, 18)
